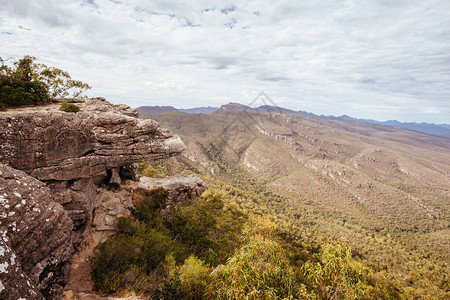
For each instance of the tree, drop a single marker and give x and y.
(29, 83)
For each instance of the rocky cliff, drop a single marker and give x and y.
(56, 169)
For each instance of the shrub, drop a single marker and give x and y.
(149, 209)
(337, 276)
(261, 269)
(69, 107)
(193, 275)
(148, 170)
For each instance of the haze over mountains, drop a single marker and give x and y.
(430, 128)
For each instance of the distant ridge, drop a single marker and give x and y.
(263, 108)
(153, 110)
(430, 128)
(199, 110)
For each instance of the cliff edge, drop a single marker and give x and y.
(53, 165)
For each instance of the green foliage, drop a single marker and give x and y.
(59, 83)
(69, 107)
(149, 210)
(208, 231)
(337, 276)
(171, 288)
(128, 259)
(261, 269)
(148, 246)
(149, 170)
(28, 83)
(20, 85)
(194, 277)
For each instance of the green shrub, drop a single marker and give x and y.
(170, 289)
(337, 276)
(194, 277)
(69, 107)
(147, 169)
(150, 246)
(149, 209)
(261, 269)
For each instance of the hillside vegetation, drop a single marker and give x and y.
(382, 191)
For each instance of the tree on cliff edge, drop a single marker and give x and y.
(29, 83)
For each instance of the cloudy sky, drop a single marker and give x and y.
(380, 59)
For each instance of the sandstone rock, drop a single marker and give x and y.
(76, 158)
(77, 198)
(74, 153)
(115, 177)
(109, 205)
(179, 188)
(14, 284)
(53, 145)
(37, 229)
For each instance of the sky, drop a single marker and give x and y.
(378, 59)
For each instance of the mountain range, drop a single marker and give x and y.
(430, 128)
(382, 190)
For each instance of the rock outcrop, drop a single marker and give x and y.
(66, 158)
(179, 188)
(110, 204)
(74, 153)
(50, 144)
(14, 284)
(36, 234)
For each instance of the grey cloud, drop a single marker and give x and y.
(324, 55)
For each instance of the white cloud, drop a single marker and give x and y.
(372, 59)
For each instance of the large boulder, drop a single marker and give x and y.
(36, 235)
(179, 188)
(50, 144)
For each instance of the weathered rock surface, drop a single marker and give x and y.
(36, 234)
(50, 144)
(74, 160)
(14, 284)
(109, 205)
(74, 153)
(179, 188)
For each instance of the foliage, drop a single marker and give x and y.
(20, 85)
(148, 246)
(149, 170)
(149, 209)
(69, 107)
(138, 248)
(194, 277)
(59, 83)
(208, 231)
(261, 269)
(337, 276)
(29, 83)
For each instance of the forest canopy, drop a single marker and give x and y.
(26, 82)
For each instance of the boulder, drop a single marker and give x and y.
(36, 234)
(180, 188)
(50, 144)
